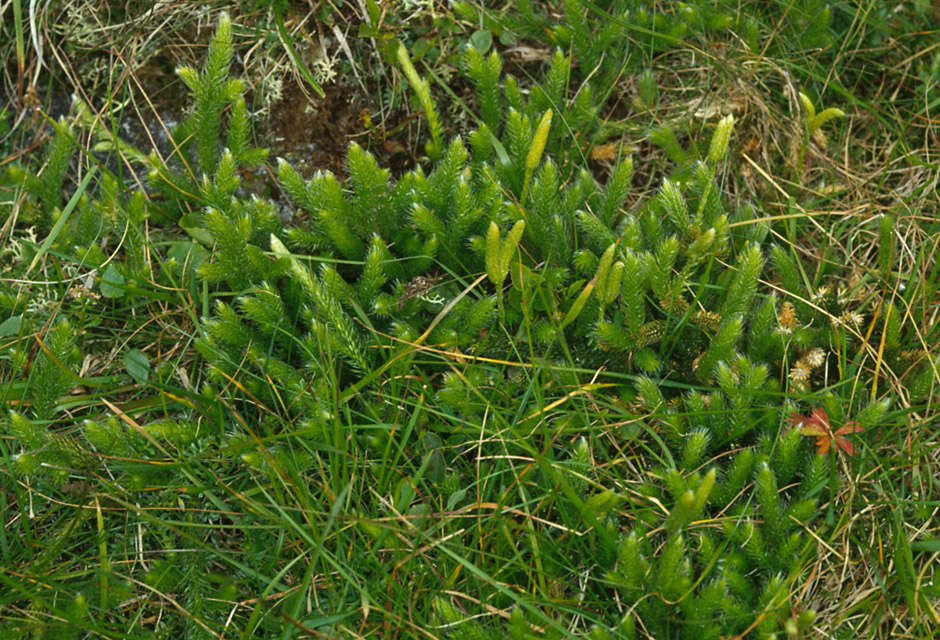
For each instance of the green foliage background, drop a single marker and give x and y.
(500, 394)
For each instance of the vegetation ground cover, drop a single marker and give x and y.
(564, 319)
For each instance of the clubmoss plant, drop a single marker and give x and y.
(199, 169)
(43, 187)
(812, 124)
(422, 89)
(489, 397)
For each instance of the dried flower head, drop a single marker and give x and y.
(814, 358)
(673, 303)
(707, 320)
(799, 372)
(842, 294)
(787, 317)
(853, 318)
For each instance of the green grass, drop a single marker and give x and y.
(210, 433)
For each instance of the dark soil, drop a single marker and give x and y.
(313, 133)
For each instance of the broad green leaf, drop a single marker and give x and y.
(482, 40)
(112, 282)
(138, 365)
(11, 326)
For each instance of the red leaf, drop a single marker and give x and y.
(817, 425)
